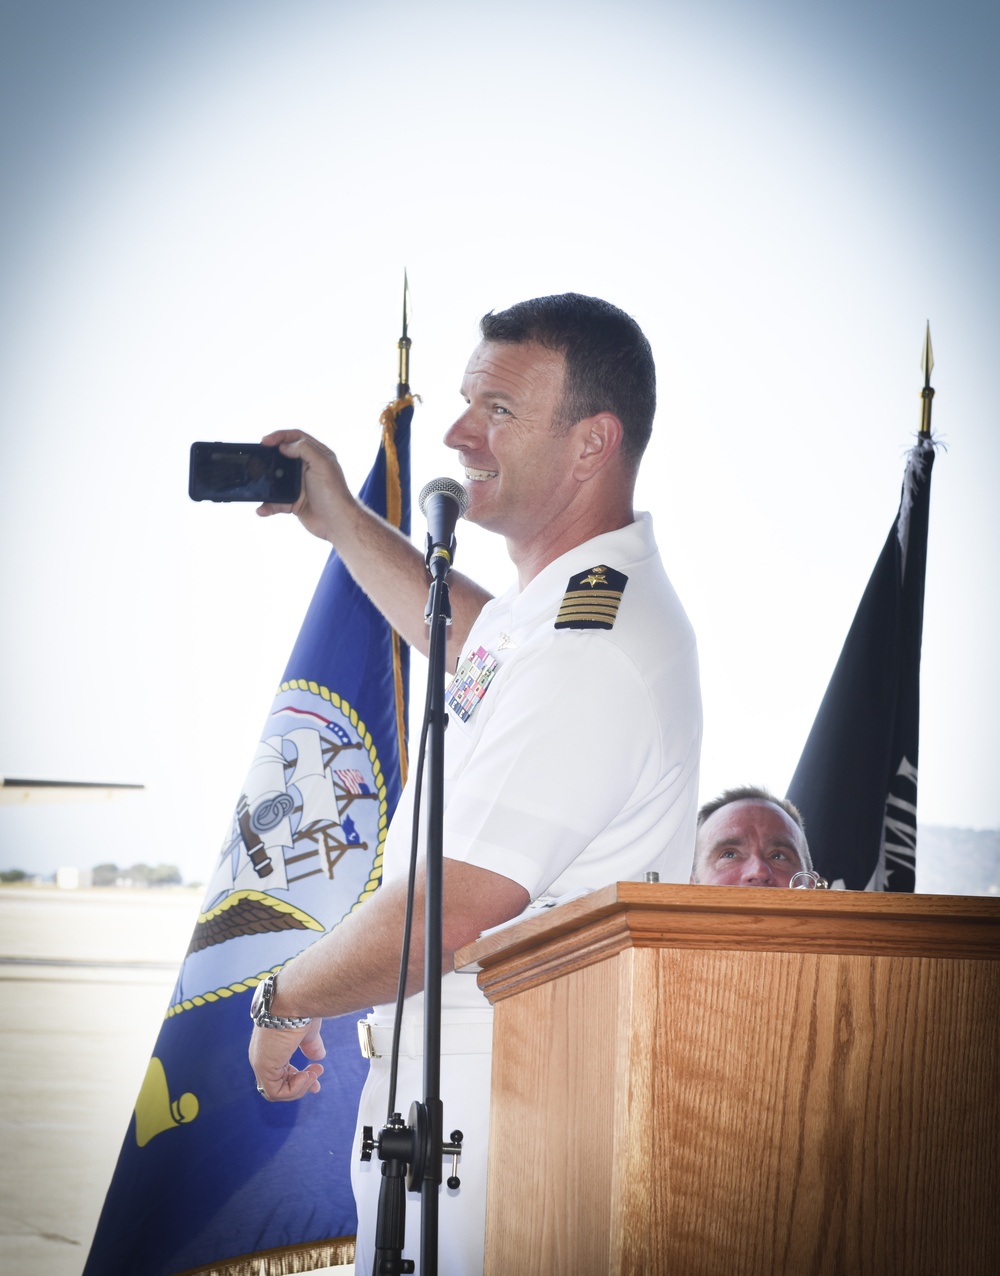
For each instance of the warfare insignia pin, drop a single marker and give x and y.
(592, 599)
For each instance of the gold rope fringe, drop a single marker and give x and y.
(393, 486)
(394, 515)
(285, 1261)
(397, 678)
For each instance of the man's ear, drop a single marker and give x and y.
(600, 439)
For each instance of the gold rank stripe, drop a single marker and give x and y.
(602, 595)
(584, 605)
(609, 598)
(586, 609)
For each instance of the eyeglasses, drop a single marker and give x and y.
(807, 880)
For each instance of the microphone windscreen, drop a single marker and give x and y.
(448, 487)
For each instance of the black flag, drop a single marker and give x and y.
(856, 781)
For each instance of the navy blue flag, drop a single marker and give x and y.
(209, 1173)
(856, 781)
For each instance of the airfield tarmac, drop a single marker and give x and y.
(85, 978)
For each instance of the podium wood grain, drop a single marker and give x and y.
(677, 1090)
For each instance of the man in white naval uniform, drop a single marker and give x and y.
(574, 715)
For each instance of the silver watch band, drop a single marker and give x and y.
(260, 1009)
(276, 1021)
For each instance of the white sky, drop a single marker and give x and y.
(205, 215)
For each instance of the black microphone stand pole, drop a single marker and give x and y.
(439, 608)
(416, 1149)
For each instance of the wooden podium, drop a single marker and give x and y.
(714, 1081)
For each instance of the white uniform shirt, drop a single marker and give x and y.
(578, 766)
(575, 767)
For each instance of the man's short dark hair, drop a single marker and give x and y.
(750, 793)
(609, 363)
(757, 793)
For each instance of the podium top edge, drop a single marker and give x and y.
(720, 908)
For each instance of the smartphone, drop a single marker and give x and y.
(243, 472)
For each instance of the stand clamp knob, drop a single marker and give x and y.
(453, 1148)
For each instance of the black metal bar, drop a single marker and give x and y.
(439, 607)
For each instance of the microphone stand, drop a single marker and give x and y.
(420, 1144)
(439, 608)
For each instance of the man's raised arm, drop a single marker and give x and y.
(387, 566)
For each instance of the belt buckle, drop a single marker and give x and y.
(366, 1040)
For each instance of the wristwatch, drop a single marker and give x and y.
(260, 1007)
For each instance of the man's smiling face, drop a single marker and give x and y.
(511, 441)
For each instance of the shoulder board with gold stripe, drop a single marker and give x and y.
(592, 599)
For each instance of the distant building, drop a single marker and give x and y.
(73, 879)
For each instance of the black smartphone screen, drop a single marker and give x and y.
(243, 472)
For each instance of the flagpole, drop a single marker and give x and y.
(394, 510)
(403, 345)
(927, 393)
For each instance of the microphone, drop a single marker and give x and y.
(442, 501)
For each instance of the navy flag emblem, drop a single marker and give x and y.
(592, 599)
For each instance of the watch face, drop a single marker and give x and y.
(257, 1004)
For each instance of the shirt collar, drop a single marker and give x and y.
(618, 549)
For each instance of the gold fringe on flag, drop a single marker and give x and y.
(287, 1261)
(394, 515)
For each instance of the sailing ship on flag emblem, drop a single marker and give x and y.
(313, 809)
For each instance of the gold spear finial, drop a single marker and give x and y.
(404, 343)
(927, 393)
